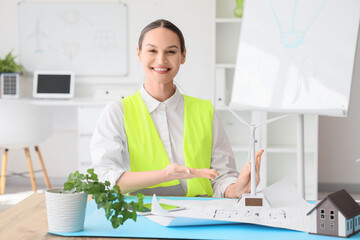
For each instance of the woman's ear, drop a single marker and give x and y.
(138, 53)
(183, 56)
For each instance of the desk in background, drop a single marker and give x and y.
(78, 114)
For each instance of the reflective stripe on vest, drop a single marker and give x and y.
(146, 149)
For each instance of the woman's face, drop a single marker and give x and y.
(161, 55)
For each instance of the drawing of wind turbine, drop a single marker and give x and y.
(38, 35)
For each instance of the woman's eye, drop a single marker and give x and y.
(152, 51)
(171, 52)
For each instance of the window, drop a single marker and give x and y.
(332, 215)
(347, 226)
(332, 226)
(322, 225)
(322, 213)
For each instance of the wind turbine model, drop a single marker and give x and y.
(253, 199)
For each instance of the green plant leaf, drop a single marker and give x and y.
(112, 200)
(8, 65)
(68, 186)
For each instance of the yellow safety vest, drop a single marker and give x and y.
(147, 152)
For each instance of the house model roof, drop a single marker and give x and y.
(343, 201)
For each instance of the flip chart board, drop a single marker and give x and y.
(86, 38)
(296, 56)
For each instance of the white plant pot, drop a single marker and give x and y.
(65, 210)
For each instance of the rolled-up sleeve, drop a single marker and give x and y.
(108, 148)
(222, 159)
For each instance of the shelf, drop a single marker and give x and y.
(228, 20)
(286, 149)
(222, 107)
(272, 149)
(225, 65)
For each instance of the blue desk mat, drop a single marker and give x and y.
(96, 225)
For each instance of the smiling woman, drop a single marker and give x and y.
(161, 52)
(160, 141)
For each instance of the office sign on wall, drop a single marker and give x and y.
(88, 39)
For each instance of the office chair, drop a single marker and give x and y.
(23, 125)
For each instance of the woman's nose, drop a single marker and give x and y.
(161, 58)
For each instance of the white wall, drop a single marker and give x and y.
(338, 137)
(339, 143)
(194, 18)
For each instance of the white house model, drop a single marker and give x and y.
(338, 214)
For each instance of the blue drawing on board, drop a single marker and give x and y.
(38, 34)
(105, 39)
(73, 17)
(290, 36)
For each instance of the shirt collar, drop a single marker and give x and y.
(151, 103)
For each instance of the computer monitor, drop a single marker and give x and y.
(53, 84)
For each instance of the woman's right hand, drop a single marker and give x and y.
(176, 171)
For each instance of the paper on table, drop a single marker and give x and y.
(156, 209)
(288, 210)
(186, 217)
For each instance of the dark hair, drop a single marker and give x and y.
(164, 24)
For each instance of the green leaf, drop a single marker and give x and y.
(117, 190)
(108, 209)
(115, 222)
(112, 200)
(8, 65)
(134, 215)
(68, 186)
(94, 177)
(117, 206)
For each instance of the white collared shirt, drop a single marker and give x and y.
(109, 146)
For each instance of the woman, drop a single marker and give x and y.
(159, 141)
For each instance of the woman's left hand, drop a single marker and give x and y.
(243, 182)
(176, 171)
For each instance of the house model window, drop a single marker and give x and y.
(322, 225)
(332, 215)
(332, 226)
(322, 213)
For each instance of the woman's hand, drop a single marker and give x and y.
(243, 183)
(176, 171)
(133, 181)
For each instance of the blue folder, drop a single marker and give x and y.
(96, 225)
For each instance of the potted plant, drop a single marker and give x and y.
(9, 76)
(239, 9)
(66, 206)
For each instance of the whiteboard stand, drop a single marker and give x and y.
(300, 156)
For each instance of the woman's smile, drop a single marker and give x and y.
(161, 70)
